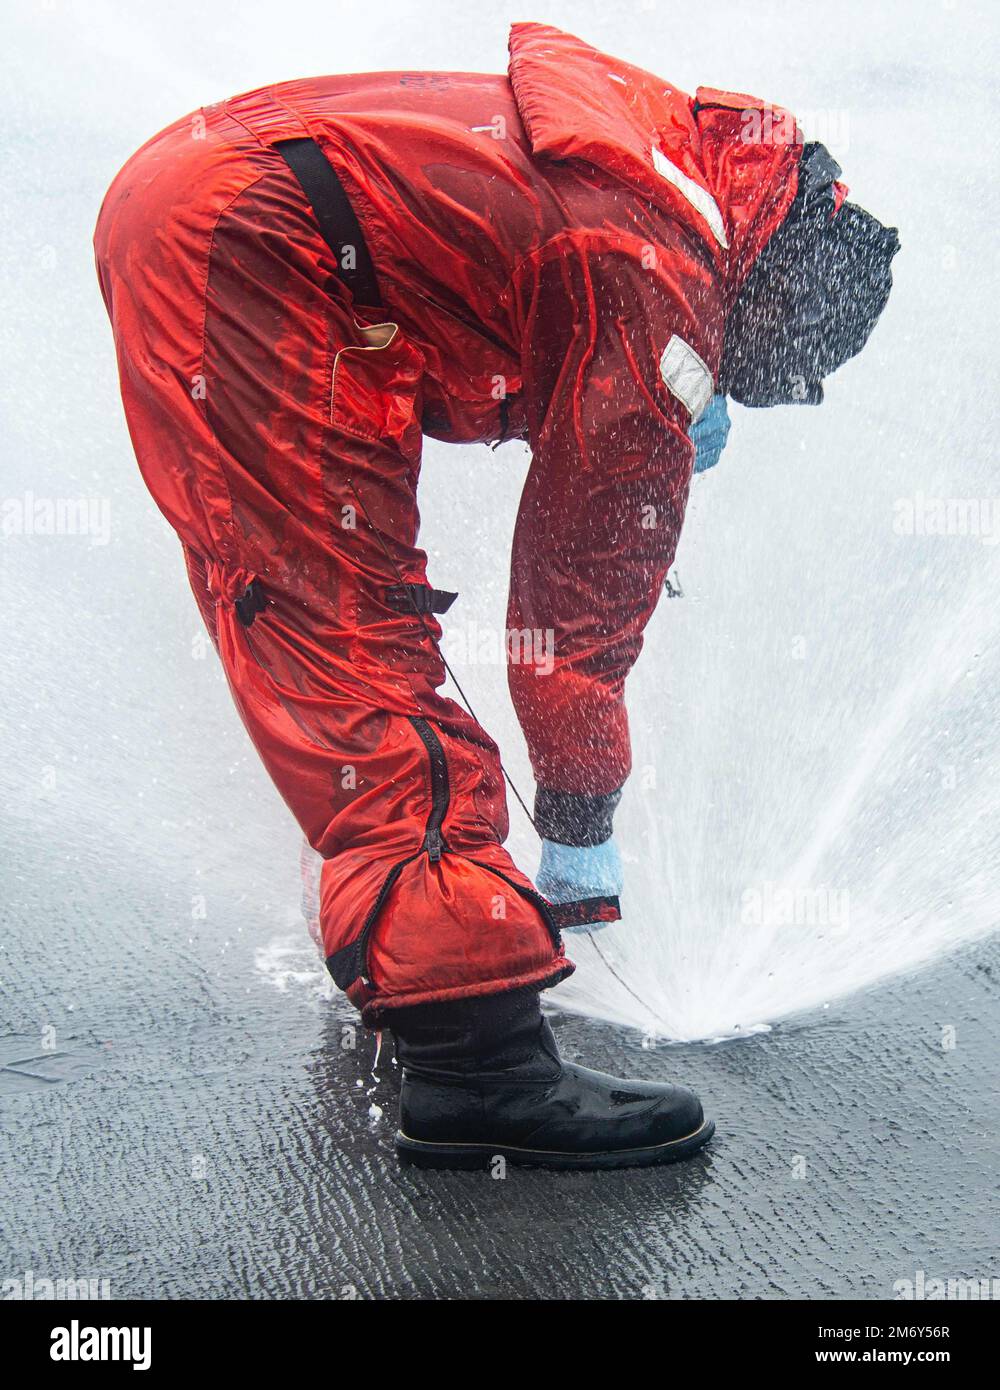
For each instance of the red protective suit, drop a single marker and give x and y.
(538, 241)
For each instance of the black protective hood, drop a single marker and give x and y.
(812, 298)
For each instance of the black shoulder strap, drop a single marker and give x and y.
(338, 225)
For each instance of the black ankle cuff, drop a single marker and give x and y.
(491, 1029)
(489, 1011)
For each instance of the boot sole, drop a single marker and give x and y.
(421, 1154)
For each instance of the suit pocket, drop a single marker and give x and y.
(376, 391)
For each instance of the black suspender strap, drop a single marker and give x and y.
(338, 225)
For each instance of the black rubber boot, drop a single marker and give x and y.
(483, 1077)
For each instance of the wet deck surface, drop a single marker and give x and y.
(200, 1125)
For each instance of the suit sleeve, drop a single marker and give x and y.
(598, 523)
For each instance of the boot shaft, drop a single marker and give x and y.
(488, 1035)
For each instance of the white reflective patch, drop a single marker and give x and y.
(685, 374)
(699, 198)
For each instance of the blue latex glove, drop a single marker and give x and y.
(570, 873)
(709, 435)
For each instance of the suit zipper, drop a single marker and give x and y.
(435, 845)
(434, 842)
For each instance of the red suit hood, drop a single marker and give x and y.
(709, 161)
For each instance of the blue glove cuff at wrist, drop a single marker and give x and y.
(710, 433)
(573, 873)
